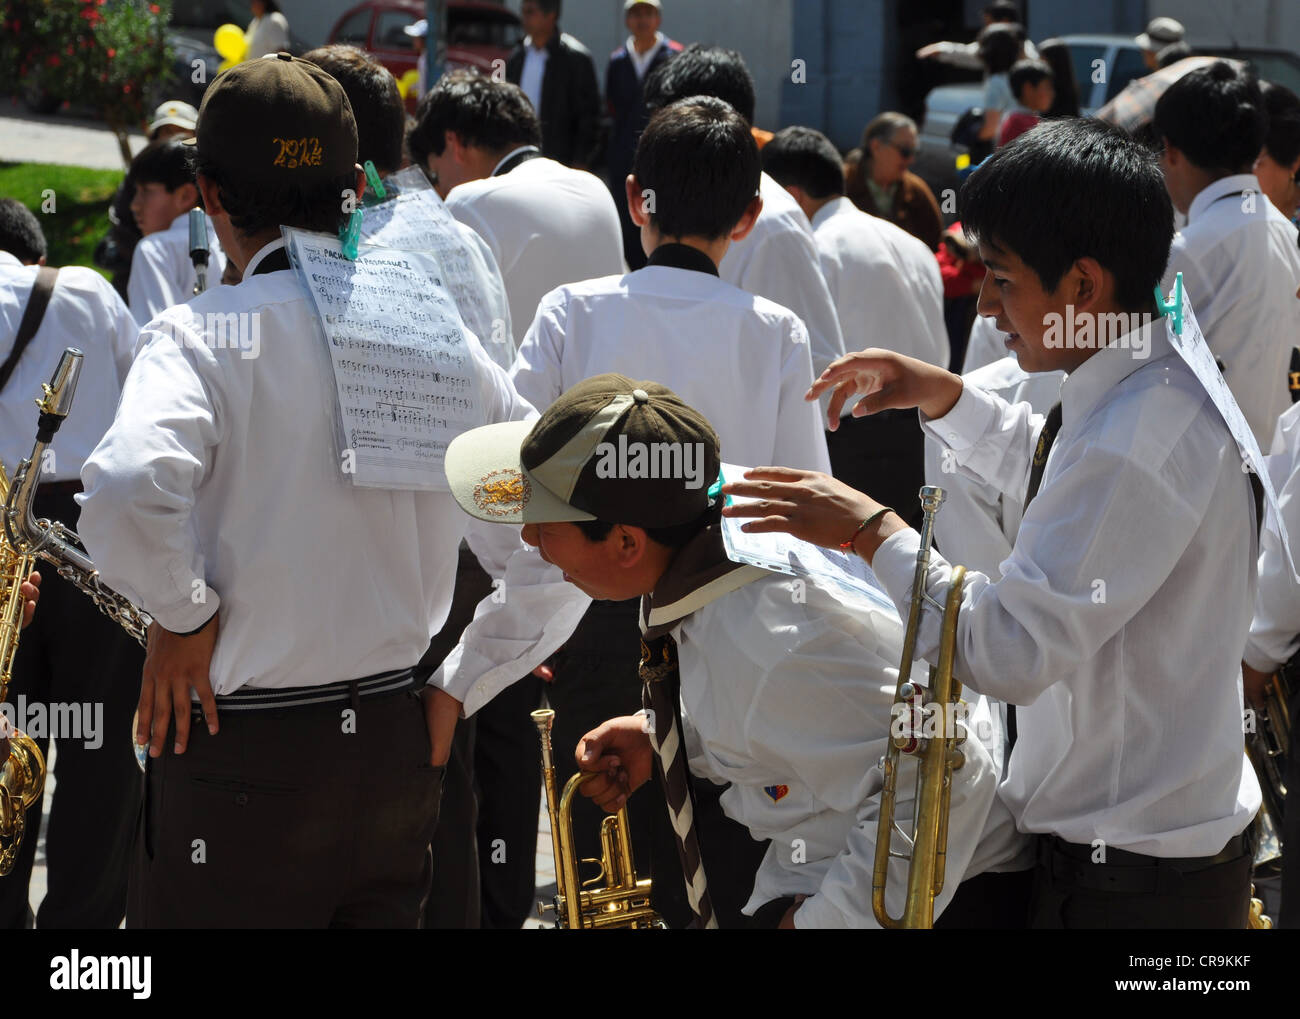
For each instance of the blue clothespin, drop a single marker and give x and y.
(715, 490)
(350, 236)
(1174, 307)
(372, 178)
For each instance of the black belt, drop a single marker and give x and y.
(1132, 873)
(349, 691)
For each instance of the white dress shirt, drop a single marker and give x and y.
(267, 34)
(977, 524)
(1121, 612)
(985, 345)
(778, 260)
(1275, 630)
(1241, 271)
(530, 79)
(161, 271)
(218, 486)
(786, 695)
(725, 352)
(546, 224)
(84, 312)
(884, 282)
(641, 61)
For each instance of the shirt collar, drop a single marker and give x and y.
(682, 256)
(7, 258)
(832, 208)
(1211, 193)
(1085, 387)
(700, 573)
(262, 252)
(183, 220)
(511, 155)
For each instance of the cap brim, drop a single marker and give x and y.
(489, 481)
(1144, 42)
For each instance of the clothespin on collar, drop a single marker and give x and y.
(350, 235)
(372, 178)
(1175, 306)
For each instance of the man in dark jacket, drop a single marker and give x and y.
(645, 49)
(558, 75)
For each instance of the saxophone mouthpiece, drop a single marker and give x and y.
(62, 386)
(198, 237)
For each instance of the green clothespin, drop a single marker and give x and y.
(372, 178)
(715, 490)
(350, 236)
(1174, 307)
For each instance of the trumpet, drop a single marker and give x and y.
(624, 901)
(938, 756)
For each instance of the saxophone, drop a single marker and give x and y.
(23, 540)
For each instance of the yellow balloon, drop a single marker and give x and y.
(407, 82)
(231, 44)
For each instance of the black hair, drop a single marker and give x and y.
(254, 207)
(20, 231)
(807, 159)
(1038, 198)
(550, 7)
(675, 537)
(271, 6)
(1055, 53)
(376, 103)
(170, 163)
(1000, 46)
(1002, 10)
(1028, 73)
(702, 71)
(1283, 109)
(700, 160)
(494, 115)
(1215, 116)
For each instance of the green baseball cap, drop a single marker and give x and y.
(609, 449)
(277, 121)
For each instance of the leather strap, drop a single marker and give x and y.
(33, 314)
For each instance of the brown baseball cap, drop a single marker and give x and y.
(608, 449)
(277, 121)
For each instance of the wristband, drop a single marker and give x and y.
(848, 545)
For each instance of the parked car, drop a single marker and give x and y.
(478, 33)
(1121, 60)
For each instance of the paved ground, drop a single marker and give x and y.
(59, 138)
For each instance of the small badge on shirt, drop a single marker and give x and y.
(776, 792)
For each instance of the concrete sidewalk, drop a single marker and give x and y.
(27, 137)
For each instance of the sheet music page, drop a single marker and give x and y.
(784, 553)
(415, 219)
(1192, 348)
(406, 383)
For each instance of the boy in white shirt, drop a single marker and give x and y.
(726, 351)
(162, 273)
(1116, 624)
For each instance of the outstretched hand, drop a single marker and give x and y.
(885, 381)
(812, 506)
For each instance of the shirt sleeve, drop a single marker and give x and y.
(532, 609)
(150, 290)
(123, 329)
(969, 530)
(1044, 615)
(800, 439)
(1275, 628)
(965, 55)
(991, 440)
(537, 372)
(141, 480)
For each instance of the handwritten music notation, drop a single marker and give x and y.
(406, 381)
